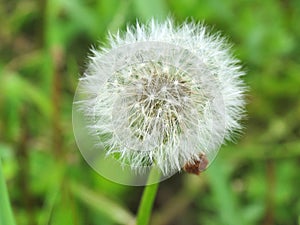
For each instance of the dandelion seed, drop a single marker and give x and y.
(164, 96)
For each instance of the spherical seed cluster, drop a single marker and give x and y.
(161, 95)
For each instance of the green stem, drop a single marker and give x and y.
(6, 216)
(146, 204)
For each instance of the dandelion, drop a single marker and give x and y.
(163, 95)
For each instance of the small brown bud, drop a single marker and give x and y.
(196, 166)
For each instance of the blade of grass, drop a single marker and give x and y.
(148, 9)
(224, 197)
(102, 204)
(146, 204)
(6, 215)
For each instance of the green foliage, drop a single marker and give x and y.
(43, 50)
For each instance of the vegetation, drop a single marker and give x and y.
(43, 51)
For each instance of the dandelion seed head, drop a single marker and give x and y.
(161, 95)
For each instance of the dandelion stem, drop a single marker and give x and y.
(146, 204)
(6, 216)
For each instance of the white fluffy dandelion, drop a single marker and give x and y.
(165, 96)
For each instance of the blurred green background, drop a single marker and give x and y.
(43, 50)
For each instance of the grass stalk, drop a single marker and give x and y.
(6, 215)
(148, 197)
